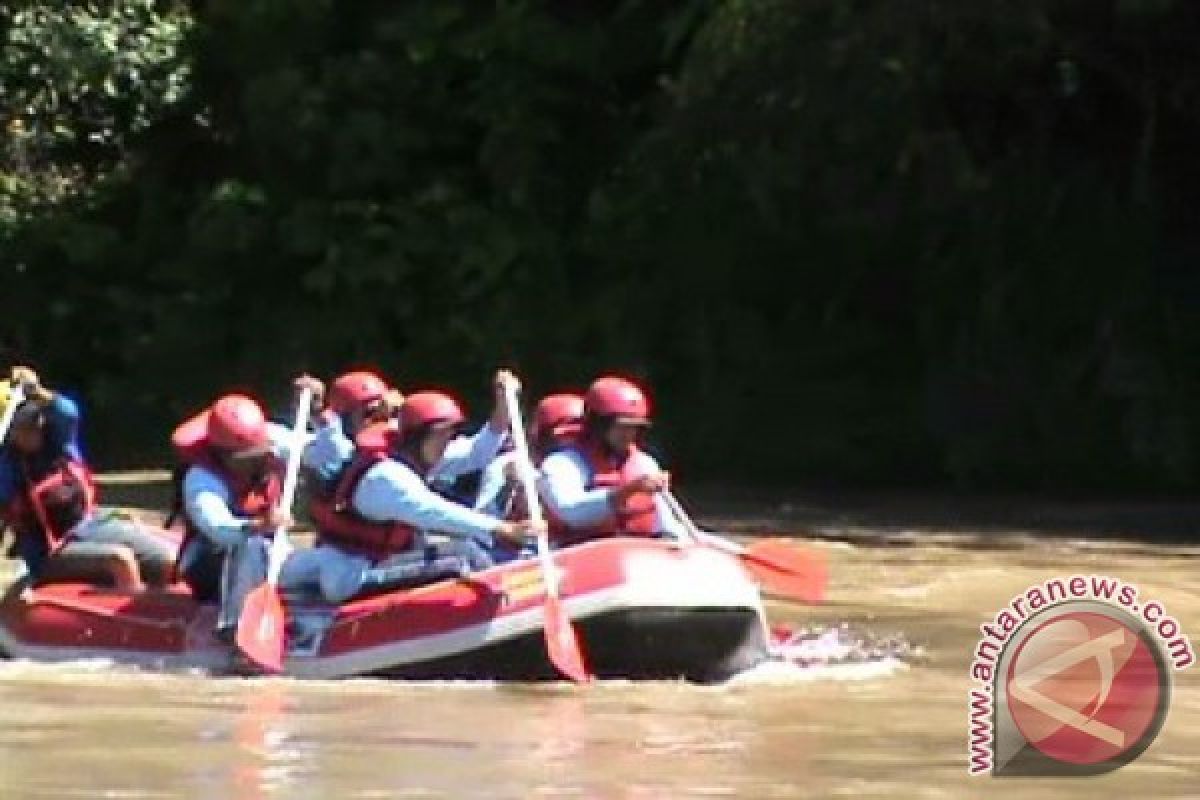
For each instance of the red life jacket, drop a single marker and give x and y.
(636, 516)
(251, 498)
(337, 521)
(56, 503)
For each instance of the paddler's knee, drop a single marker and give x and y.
(340, 582)
(123, 567)
(473, 554)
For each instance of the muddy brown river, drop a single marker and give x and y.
(858, 727)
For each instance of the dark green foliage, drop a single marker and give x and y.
(851, 240)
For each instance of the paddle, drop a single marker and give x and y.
(562, 641)
(16, 396)
(779, 567)
(261, 625)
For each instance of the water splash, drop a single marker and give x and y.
(839, 653)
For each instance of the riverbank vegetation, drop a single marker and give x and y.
(855, 241)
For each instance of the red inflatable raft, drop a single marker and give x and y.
(644, 609)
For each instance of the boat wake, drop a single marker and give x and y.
(818, 653)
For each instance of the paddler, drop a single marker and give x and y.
(557, 423)
(386, 524)
(356, 399)
(48, 496)
(603, 483)
(234, 462)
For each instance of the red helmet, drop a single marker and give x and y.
(427, 409)
(237, 423)
(558, 415)
(617, 397)
(355, 390)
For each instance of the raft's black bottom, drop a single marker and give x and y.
(701, 645)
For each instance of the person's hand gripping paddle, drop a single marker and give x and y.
(562, 641)
(260, 631)
(16, 396)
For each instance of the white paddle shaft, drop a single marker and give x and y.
(526, 472)
(15, 398)
(291, 476)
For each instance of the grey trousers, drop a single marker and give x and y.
(95, 536)
(244, 570)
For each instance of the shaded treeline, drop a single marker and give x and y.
(849, 240)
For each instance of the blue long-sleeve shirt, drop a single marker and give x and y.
(564, 486)
(60, 438)
(468, 453)
(391, 491)
(329, 451)
(208, 502)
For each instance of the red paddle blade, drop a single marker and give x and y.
(788, 571)
(562, 642)
(261, 627)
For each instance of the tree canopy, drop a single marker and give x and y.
(840, 240)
